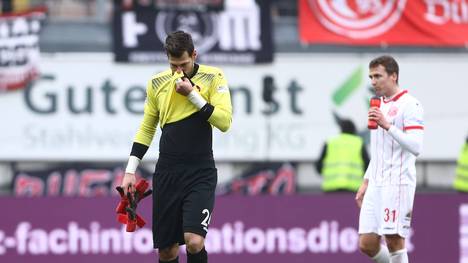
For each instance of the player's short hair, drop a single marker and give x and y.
(388, 62)
(177, 43)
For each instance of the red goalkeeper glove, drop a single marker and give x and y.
(126, 209)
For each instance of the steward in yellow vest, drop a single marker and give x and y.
(461, 178)
(343, 160)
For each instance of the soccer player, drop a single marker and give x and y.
(186, 100)
(387, 193)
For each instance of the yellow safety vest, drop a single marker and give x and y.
(343, 167)
(461, 178)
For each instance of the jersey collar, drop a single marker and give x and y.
(396, 97)
(195, 70)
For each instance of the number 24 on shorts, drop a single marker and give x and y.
(206, 220)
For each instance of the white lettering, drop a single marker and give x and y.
(239, 27)
(94, 237)
(2, 248)
(110, 238)
(58, 241)
(75, 236)
(254, 240)
(348, 240)
(279, 235)
(214, 242)
(441, 12)
(317, 238)
(77, 240)
(238, 237)
(334, 235)
(127, 241)
(230, 238)
(227, 235)
(20, 27)
(297, 243)
(4, 30)
(143, 242)
(21, 236)
(37, 244)
(131, 29)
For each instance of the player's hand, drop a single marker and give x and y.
(360, 194)
(128, 183)
(184, 87)
(377, 115)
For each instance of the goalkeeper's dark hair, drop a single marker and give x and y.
(177, 43)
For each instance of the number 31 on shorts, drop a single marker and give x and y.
(390, 215)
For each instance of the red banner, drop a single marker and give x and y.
(439, 23)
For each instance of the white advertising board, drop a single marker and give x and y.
(86, 107)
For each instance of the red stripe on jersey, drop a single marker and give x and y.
(396, 97)
(391, 164)
(383, 154)
(399, 190)
(413, 128)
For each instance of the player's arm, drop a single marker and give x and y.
(361, 192)
(363, 188)
(218, 109)
(411, 137)
(143, 138)
(368, 170)
(220, 98)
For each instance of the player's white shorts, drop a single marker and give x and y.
(387, 210)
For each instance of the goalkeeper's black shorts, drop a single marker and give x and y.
(183, 200)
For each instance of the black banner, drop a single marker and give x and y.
(199, 5)
(239, 34)
(166, 5)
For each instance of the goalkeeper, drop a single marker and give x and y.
(186, 101)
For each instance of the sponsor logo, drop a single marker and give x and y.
(358, 19)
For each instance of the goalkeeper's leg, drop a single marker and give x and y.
(169, 254)
(196, 252)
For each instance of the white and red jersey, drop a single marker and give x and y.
(393, 161)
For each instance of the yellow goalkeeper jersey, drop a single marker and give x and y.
(184, 127)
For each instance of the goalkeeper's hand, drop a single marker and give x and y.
(128, 183)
